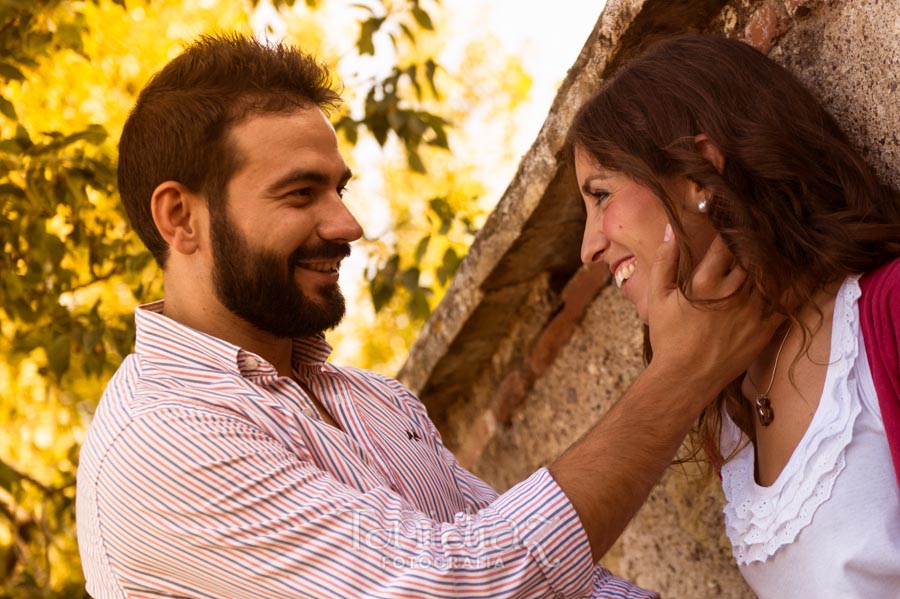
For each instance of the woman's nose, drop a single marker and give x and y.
(593, 244)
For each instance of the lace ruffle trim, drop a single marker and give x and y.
(760, 520)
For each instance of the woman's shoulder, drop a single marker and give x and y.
(883, 281)
(879, 307)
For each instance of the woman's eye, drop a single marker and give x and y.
(600, 197)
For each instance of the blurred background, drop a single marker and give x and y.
(441, 100)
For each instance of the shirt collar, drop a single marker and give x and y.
(159, 338)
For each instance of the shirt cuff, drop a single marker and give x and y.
(546, 524)
(607, 586)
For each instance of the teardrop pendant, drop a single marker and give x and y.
(764, 410)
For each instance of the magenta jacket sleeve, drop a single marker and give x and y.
(879, 311)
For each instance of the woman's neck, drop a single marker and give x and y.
(798, 331)
(783, 386)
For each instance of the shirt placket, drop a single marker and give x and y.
(342, 406)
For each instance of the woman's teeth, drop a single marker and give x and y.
(624, 272)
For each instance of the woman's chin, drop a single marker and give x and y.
(639, 303)
(627, 292)
(642, 312)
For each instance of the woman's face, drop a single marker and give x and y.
(626, 223)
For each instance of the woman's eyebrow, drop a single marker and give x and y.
(586, 185)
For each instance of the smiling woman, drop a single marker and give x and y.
(681, 136)
(626, 221)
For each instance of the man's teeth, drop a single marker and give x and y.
(623, 273)
(319, 266)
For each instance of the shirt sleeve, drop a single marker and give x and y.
(206, 504)
(607, 586)
(604, 585)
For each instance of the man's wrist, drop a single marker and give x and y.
(679, 386)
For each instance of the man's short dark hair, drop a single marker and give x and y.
(177, 130)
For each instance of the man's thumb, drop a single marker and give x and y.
(665, 266)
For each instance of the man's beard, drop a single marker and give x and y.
(259, 286)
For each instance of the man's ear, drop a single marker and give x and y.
(177, 212)
(709, 150)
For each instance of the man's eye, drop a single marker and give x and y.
(342, 190)
(301, 191)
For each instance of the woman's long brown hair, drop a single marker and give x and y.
(795, 203)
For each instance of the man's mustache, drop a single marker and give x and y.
(325, 250)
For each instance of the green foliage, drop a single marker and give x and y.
(404, 275)
(56, 245)
(385, 112)
(386, 108)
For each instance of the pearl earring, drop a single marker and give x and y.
(703, 205)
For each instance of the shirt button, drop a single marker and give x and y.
(307, 412)
(251, 363)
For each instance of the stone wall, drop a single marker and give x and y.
(528, 349)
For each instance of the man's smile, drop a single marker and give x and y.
(329, 266)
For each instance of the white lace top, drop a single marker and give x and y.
(829, 526)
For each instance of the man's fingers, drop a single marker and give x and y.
(718, 258)
(716, 275)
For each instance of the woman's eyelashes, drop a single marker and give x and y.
(600, 197)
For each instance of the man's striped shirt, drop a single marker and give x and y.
(206, 474)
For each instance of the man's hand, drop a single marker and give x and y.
(712, 341)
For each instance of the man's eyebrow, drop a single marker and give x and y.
(306, 176)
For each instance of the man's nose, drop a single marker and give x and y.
(339, 224)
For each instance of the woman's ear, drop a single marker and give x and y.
(176, 212)
(709, 150)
